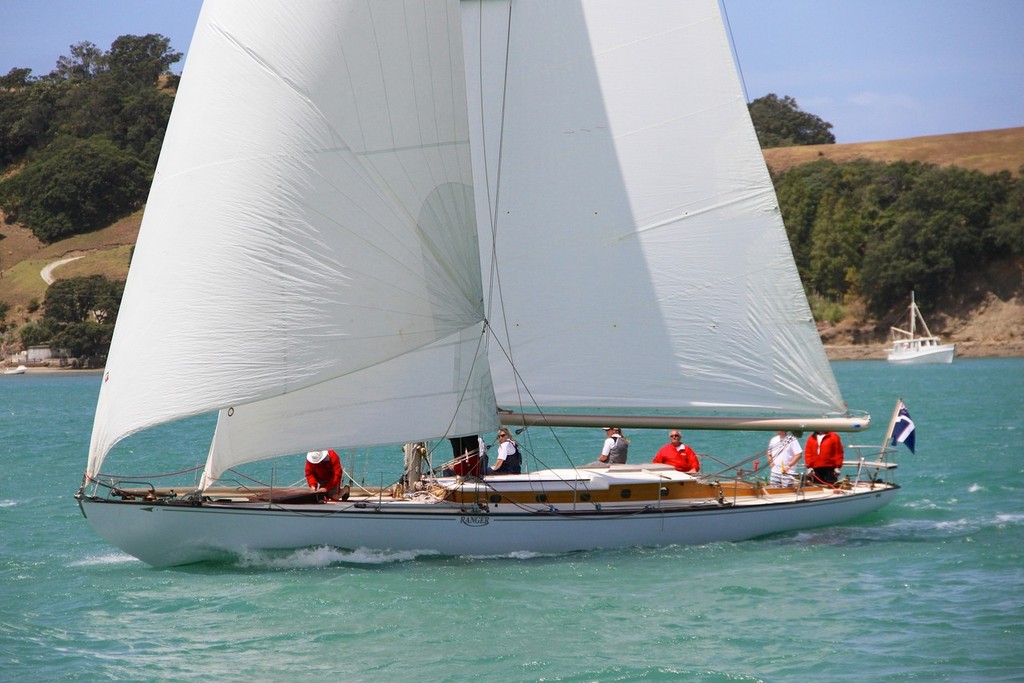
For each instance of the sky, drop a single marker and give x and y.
(874, 69)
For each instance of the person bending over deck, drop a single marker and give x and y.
(324, 473)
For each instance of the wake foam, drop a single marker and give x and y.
(325, 556)
(109, 558)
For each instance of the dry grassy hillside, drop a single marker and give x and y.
(994, 327)
(987, 151)
(23, 257)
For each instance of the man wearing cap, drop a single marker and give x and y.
(615, 449)
(323, 472)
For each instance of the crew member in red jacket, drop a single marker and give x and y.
(823, 453)
(323, 471)
(678, 454)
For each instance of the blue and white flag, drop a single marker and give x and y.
(903, 428)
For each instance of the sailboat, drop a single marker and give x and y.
(911, 347)
(401, 225)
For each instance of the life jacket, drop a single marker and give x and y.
(619, 450)
(514, 461)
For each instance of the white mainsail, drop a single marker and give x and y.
(349, 190)
(311, 217)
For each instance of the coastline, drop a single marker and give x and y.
(47, 369)
(1012, 349)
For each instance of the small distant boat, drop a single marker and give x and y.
(909, 347)
(20, 370)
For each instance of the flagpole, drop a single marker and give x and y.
(892, 423)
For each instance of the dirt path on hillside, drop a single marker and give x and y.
(47, 272)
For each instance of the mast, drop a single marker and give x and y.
(892, 423)
(913, 314)
(916, 313)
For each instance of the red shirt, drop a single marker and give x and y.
(683, 458)
(326, 473)
(823, 450)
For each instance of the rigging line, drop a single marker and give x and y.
(465, 385)
(145, 476)
(359, 486)
(735, 52)
(494, 285)
(521, 383)
(727, 466)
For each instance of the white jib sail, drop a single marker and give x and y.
(641, 257)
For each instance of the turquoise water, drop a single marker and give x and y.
(929, 589)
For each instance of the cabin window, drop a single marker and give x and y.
(542, 497)
(626, 493)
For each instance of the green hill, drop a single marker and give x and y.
(993, 325)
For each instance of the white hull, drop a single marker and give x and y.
(415, 181)
(167, 535)
(919, 355)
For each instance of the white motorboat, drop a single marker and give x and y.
(911, 347)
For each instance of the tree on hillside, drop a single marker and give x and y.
(121, 100)
(938, 230)
(80, 314)
(78, 299)
(1007, 231)
(131, 62)
(26, 113)
(85, 62)
(836, 246)
(139, 61)
(107, 108)
(781, 123)
(141, 123)
(37, 333)
(75, 186)
(878, 230)
(84, 340)
(15, 78)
